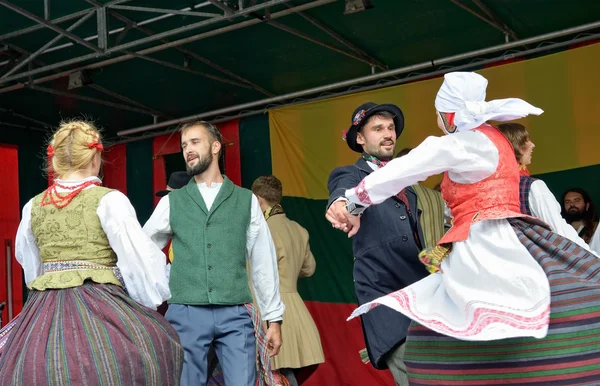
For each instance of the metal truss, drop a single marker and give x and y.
(102, 49)
(102, 11)
(130, 104)
(489, 17)
(40, 125)
(242, 82)
(411, 73)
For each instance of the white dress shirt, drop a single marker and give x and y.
(141, 262)
(595, 242)
(260, 250)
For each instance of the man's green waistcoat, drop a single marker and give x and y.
(209, 246)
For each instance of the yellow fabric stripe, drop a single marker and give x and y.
(306, 142)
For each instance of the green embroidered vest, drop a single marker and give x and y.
(72, 233)
(210, 246)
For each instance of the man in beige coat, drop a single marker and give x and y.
(302, 348)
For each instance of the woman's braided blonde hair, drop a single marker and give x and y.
(73, 146)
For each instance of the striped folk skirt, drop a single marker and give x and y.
(94, 334)
(568, 355)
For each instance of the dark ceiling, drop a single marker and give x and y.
(238, 55)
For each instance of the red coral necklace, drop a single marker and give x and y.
(52, 196)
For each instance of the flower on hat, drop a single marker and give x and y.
(344, 134)
(358, 118)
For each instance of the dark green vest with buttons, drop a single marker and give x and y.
(209, 246)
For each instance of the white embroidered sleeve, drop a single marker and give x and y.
(26, 249)
(158, 227)
(468, 157)
(142, 263)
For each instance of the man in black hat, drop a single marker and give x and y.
(177, 180)
(387, 244)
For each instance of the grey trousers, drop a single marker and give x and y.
(395, 361)
(229, 329)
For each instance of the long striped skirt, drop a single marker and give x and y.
(568, 355)
(94, 334)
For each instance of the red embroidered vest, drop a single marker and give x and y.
(494, 197)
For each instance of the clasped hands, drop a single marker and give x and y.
(338, 216)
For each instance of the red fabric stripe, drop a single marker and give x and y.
(341, 343)
(503, 62)
(588, 43)
(115, 168)
(590, 315)
(10, 217)
(231, 139)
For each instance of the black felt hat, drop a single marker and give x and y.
(177, 180)
(362, 114)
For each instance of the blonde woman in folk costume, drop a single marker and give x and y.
(95, 281)
(509, 301)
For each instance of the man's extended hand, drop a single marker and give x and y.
(354, 225)
(336, 215)
(274, 339)
(339, 217)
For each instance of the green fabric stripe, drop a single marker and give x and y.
(506, 375)
(494, 345)
(496, 352)
(139, 178)
(332, 281)
(255, 148)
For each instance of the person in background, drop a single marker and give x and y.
(303, 351)
(535, 197)
(95, 281)
(579, 211)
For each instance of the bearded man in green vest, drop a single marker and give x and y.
(215, 227)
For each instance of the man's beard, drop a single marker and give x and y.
(571, 216)
(200, 167)
(380, 154)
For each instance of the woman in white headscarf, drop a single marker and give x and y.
(508, 301)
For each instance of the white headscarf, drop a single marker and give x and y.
(463, 93)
